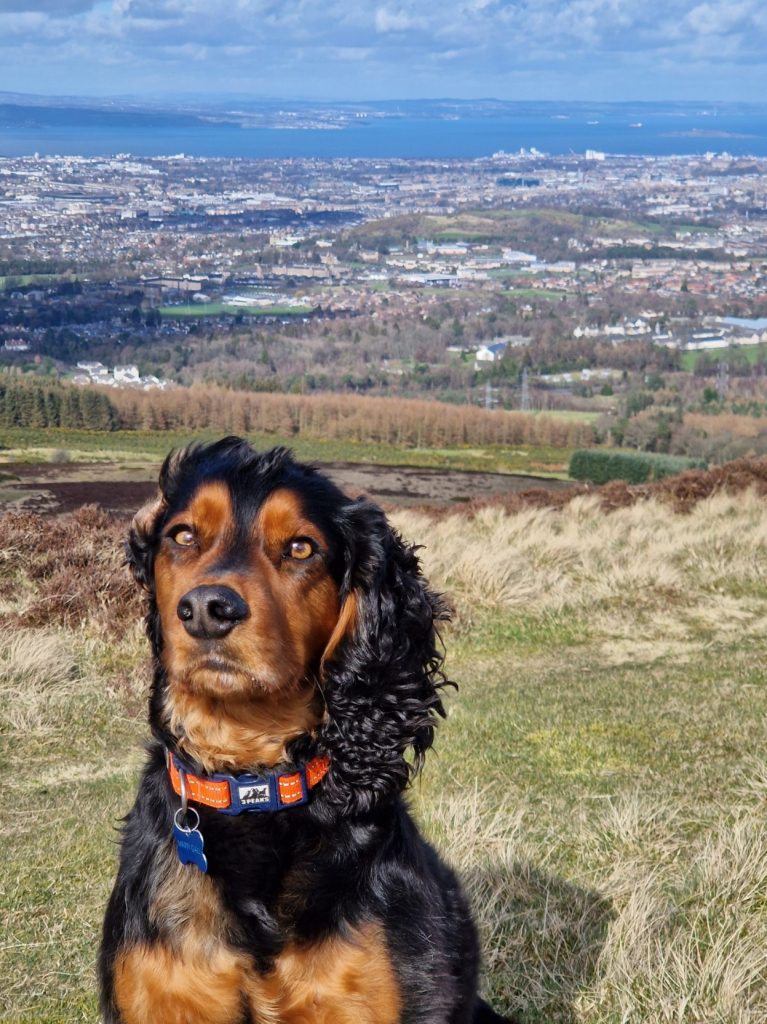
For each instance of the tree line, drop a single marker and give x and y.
(396, 421)
(33, 404)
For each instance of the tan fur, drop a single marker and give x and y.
(347, 623)
(155, 986)
(338, 981)
(228, 736)
(193, 975)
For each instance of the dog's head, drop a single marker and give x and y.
(280, 605)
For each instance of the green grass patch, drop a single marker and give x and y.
(533, 293)
(12, 281)
(35, 445)
(221, 309)
(495, 632)
(740, 353)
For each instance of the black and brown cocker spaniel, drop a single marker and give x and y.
(269, 870)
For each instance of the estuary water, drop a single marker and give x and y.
(556, 129)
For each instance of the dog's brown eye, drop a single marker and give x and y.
(183, 536)
(301, 549)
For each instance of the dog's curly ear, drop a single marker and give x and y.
(139, 546)
(382, 669)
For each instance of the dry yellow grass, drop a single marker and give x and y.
(639, 576)
(657, 928)
(37, 673)
(627, 880)
(600, 783)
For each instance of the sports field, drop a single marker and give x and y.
(219, 308)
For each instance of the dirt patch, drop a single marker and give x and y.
(61, 489)
(407, 485)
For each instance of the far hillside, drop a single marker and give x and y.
(545, 232)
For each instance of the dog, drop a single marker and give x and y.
(269, 870)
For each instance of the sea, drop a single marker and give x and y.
(426, 130)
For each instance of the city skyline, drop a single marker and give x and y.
(591, 50)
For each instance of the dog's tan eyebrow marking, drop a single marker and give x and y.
(281, 518)
(210, 512)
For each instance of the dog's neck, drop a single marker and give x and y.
(239, 736)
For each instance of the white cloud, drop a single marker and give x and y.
(488, 43)
(719, 18)
(393, 21)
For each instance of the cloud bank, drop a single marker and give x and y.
(362, 49)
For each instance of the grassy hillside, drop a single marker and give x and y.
(600, 781)
(495, 225)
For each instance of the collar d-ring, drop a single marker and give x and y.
(182, 780)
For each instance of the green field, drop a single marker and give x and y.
(600, 781)
(19, 444)
(27, 279)
(534, 293)
(749, 353)
(219, 309)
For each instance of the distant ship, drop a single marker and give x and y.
(637, 125)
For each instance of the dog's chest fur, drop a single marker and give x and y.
(196, 969)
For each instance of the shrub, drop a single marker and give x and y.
(601, 466)
(66, 572)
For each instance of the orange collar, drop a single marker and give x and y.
(233, 794)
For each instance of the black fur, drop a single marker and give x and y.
(352, 854)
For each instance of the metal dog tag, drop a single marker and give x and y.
(190, 843)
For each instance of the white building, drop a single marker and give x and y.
(490, 353)
(515, 256)
(126, 374)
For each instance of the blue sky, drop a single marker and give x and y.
(385, 49)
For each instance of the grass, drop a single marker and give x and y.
(602, 771)
(503, 225)
(571, 415)
(749, 353)
(600, 782)
(21, 280)
(533, 293)
(22, 444)
(219, 309)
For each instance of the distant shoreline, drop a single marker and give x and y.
(706, 133)
(424, 130)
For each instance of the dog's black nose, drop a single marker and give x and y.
(211, 612)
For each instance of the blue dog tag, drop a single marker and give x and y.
(189, 844)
